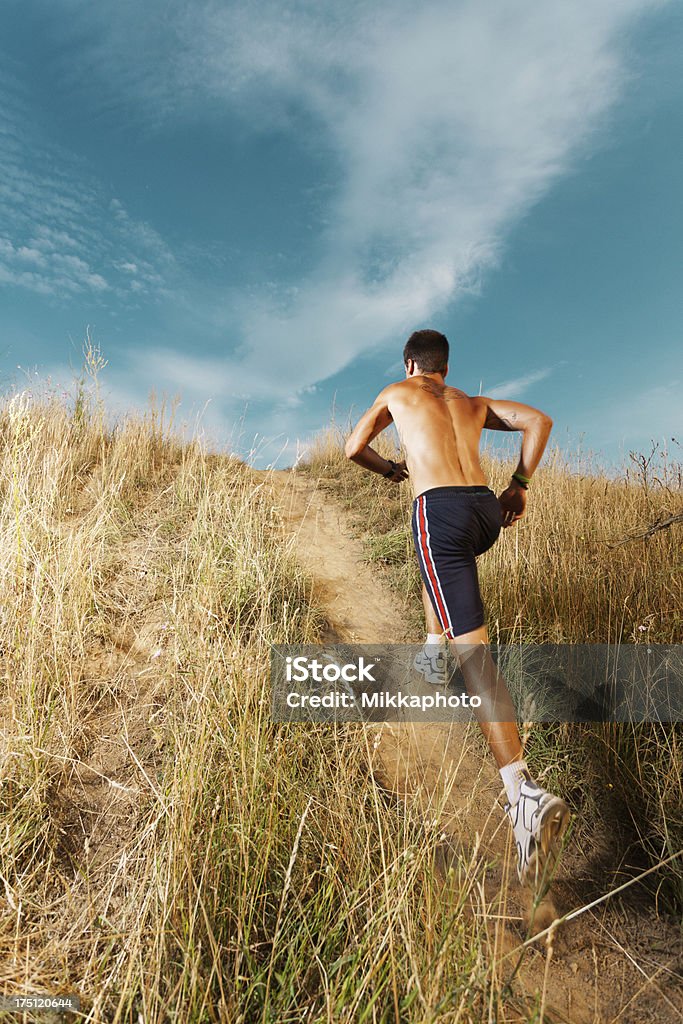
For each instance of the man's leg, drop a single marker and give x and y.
(483, 679)
(446, 553)
(445, 539)
(486, 682)
(537, 817)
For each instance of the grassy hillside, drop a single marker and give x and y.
(588, 563)
(166, 851)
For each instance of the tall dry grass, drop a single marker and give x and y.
(557, 577)
(166, 851)
(566, 573)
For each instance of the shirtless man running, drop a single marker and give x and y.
(455, 518)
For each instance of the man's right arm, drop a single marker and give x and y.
(372, 423)
(535, 425)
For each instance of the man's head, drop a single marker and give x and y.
(426, 352)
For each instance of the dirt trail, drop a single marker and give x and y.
(598, 972)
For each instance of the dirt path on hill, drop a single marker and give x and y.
(600, 969)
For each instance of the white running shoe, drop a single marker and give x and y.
(432, 665)
(538, 820)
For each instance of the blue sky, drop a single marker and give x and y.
(253, 204)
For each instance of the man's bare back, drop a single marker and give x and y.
(440, 430)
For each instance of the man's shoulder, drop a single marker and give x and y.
(457, 393)
(391, 390)
(397, 386)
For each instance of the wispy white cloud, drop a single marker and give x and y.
(446, 121)
(449, 122)
(61, 233)
(51, 271)
(517, 386)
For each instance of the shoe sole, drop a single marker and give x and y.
(552, 826)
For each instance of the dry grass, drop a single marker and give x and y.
(166, 851)
(555, 577)
(561, 575)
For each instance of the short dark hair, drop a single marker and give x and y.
(429, 350)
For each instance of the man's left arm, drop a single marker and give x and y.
(357, 447)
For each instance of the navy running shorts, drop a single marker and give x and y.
(451, 526)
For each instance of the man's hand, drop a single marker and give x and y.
(513, 503)
(399, 474)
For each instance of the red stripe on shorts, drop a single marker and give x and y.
(422, 531)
